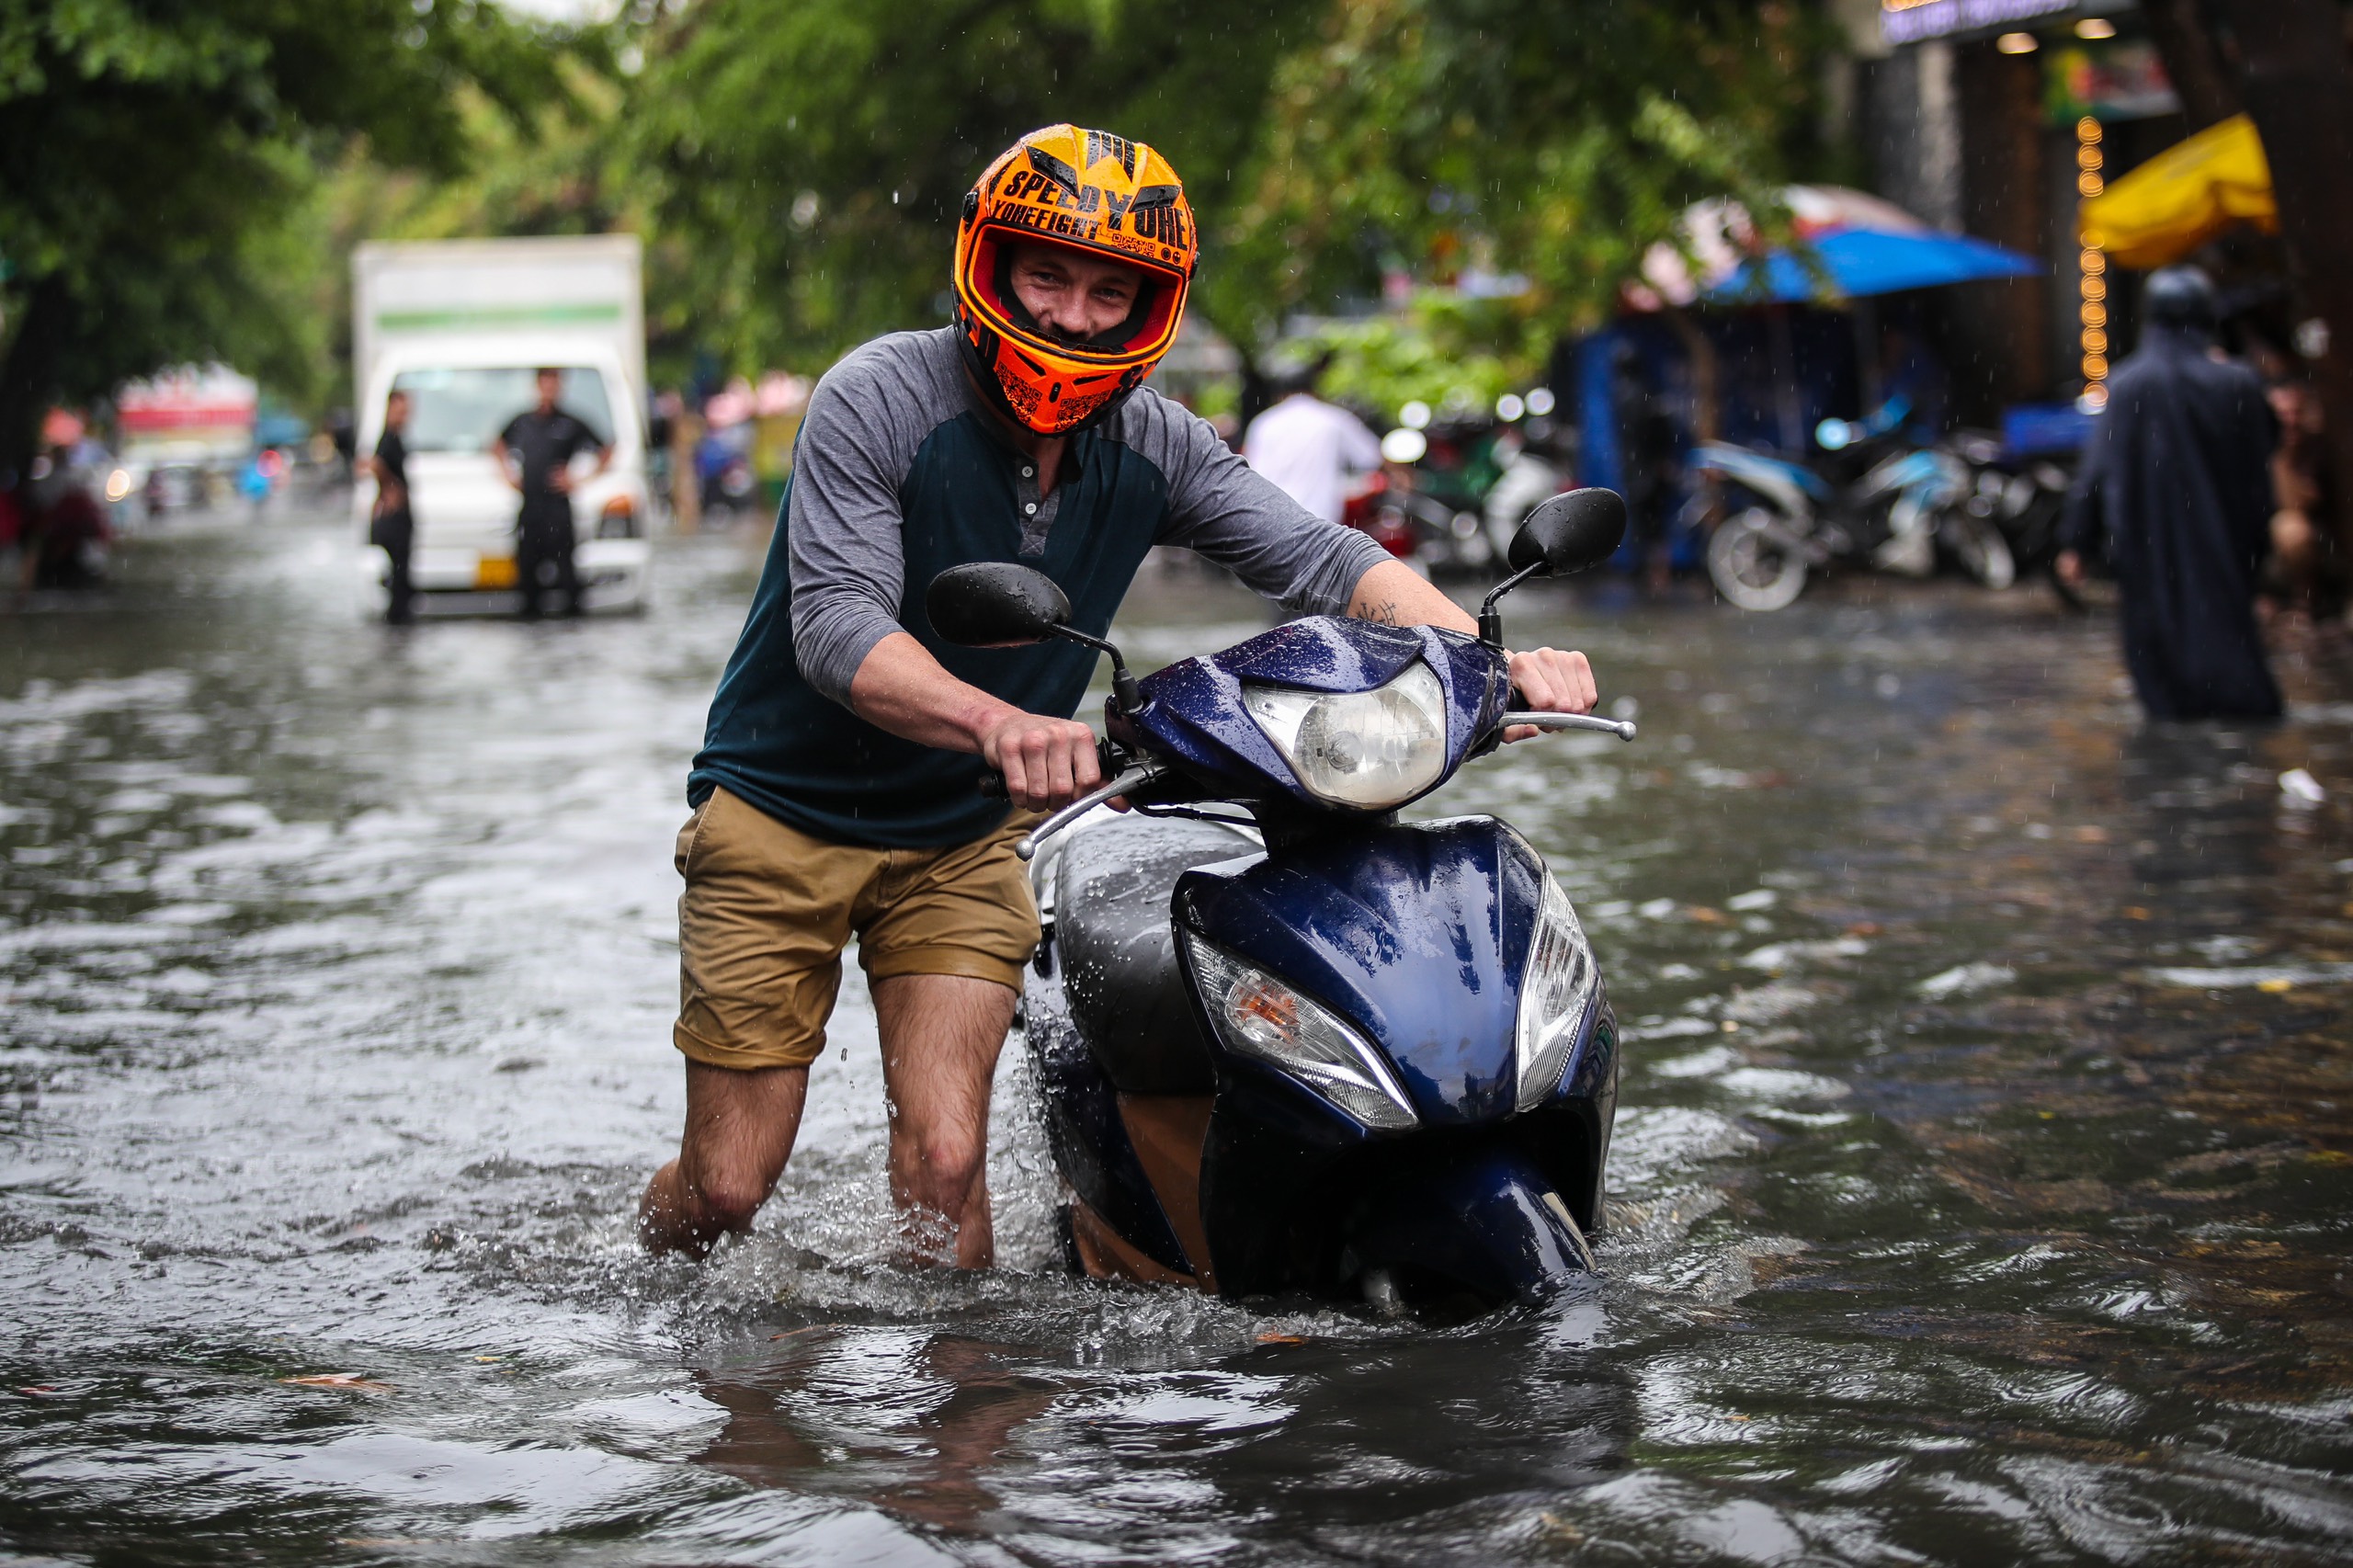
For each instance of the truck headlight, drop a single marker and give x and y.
(1371, 749)
(1256, 1014)
(1554, 993)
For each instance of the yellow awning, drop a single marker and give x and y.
(2183, 197)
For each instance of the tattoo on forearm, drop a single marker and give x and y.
(1385, 613)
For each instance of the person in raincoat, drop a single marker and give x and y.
(2178, 478)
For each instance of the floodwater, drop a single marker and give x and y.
(1981, 1192)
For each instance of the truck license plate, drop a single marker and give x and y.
(495, 572)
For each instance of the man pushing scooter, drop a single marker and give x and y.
(837, 791)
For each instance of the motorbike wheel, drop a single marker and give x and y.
(1750, 568)
(1980, 548)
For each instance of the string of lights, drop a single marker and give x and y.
(2093, 265)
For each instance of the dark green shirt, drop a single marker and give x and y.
(899, 475)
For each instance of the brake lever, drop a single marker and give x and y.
(1134, 778)
(1621, 728)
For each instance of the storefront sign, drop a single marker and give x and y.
(2124, 80)
(1910, 21)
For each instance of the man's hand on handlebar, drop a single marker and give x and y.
(1046, 762)
(1550, 681)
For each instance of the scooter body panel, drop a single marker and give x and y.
(1788, 487)
(1417, 935)
(1083, 1128)
(1296, 1197)
(1193, 710)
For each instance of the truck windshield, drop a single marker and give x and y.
(464, 409)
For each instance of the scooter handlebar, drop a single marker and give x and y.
(1107, 759)
(1621, 728)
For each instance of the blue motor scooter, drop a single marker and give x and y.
(1313, 1049)
(1884, 502)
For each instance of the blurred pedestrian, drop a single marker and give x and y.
(392, 526)
(2300, 566)
(345, 435)
(535, 452)
(1313, 451)
(1649, 443)
(64, 534)
(2177, 477)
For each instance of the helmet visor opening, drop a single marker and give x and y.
(1145, 333)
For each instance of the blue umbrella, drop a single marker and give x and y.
(1863, 245)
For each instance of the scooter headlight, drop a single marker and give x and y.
(1553, 994)
(1372, 750)
(1256, 1014)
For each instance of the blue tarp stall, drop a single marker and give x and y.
(1859, 262)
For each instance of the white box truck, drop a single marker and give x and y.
(461, 325)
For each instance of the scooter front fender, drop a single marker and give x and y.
(1487, 1224)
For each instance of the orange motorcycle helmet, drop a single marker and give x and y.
(1098, 194)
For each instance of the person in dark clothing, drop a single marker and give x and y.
(63, 531)
(2177, 477)
(1647, 445)
(391, 526)
(535, 452)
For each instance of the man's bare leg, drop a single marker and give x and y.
(740, 1127)
(941, 1034)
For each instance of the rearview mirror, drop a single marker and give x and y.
(996, 604)
(1570, 533)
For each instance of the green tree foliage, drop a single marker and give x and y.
(1553, 141)
(806, 156)
(155, 153)
(1441, 349)
(183, 181)
(809, 155)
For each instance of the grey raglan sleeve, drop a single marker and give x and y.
(848, 559)
(1229, 513)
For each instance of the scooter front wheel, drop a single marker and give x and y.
(1750, 567)
(1980, 548)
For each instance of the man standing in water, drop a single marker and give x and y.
(837, 789)
(392, 526)
(2178, 476)
(535, 453)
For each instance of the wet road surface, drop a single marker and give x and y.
(1981, 1192)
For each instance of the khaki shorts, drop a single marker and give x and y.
(768, 910)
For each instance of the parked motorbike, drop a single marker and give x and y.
(2026, 498)
(1783, 520)
(723, 472)
(1409, 524)
(1532, 474)
(1296, 1045)
(1413, 512)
